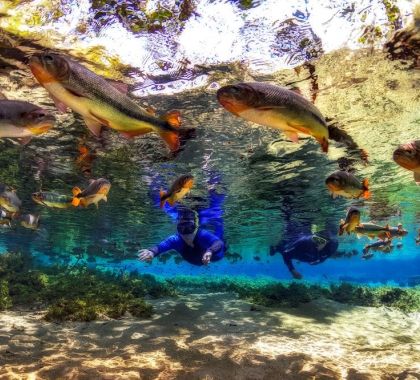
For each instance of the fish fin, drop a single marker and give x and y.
(120, 86)
(75, 202)
(59, 105)
(334, 195)
(163, 197)
(173, 118)
(24, 140)
(417, 178)
(151, 111)
(171, 202)
(94, 126)
(2, 96)
(76, 191)
(293, 136)
(96, 204)
(105, 198)
(171, 139)
(324, 144)
(358, 235)
(387, 227)
(366, 193)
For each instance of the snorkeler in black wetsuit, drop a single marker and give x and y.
(311, 249)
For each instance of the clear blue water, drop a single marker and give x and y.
(272, 189)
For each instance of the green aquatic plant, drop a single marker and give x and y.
(5, 300)
(271, 293)
(75, 293)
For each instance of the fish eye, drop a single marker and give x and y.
(48, 58)
(41, 114)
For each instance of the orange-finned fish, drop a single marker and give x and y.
(85, 159)
(96, 191)
(345, 184)
(100, 102)
(23, 120)
(52, 200)
(408, 156)
(179, 189)
(9, 199)
(275, 107)
(351, 222)
(372, 230)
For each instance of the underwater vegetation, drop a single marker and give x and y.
(75, 293)
(292, 294)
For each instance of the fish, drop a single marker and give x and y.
(345, 184)
(5, 219)
(99, 102)
(372, 230)
(393, 232)
(29, 221)
(351, 222)
(378, 245)
(9, 199)
(179, 189)
(96, 191)
(52, 200)
(275, 107)
(85, 159)
(408, 156)
(23, 120)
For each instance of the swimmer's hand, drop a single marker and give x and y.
(146, 255)
(296, 274)
(207, 257)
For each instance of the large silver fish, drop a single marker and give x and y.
(98, 101)
(23, 120)
(275, 107)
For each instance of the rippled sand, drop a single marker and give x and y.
(216, 336)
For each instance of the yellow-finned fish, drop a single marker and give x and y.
(345, 184)
(179, 189)
(96, 191)
(52, 200)
(23, 120)
(408, 156)
(98, 101)
(275, 107)
(351, 222)
(9, 199)
(372, 230)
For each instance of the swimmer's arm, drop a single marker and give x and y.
(288, 261)
(172, 242)
(213, 242)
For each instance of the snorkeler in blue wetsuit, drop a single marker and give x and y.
(196, 245)
(311, 249)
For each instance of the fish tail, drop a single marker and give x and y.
(366, 193)
(171, 139)
(173, 118)
(76, 201)
(163, 197)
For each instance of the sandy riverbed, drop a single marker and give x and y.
(216, 336)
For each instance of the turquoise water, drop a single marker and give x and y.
(268, 188)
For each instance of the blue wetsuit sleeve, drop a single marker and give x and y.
(172, 242)
(212, 242)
